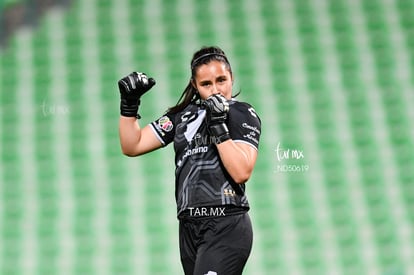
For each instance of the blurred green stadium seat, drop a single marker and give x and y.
(70, 203)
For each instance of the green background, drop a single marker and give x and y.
(332, 79)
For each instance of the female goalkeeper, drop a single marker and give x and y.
(215, 139)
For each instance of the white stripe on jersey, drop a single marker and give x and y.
(193, 126)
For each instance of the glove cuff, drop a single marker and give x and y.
(129, 109)
(220, 132)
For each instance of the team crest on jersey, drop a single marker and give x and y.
(165, 123)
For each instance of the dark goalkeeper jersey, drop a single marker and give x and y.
(201, 179)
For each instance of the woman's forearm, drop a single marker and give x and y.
(238, 159)
(129, 135)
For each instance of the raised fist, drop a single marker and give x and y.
(217, 109)
(135, 83)
(131, 88)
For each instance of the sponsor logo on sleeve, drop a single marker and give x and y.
(165, 124)
(253, 134)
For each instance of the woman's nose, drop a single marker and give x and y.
(214, 89)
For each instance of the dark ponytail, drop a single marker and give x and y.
(190, 93)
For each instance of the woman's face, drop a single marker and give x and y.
(213, 78)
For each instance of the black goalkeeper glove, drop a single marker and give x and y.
(217, 109)
(131, 88)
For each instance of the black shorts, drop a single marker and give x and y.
(215, 246)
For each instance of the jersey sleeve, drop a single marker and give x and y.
(164, 128)
(244, 124)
